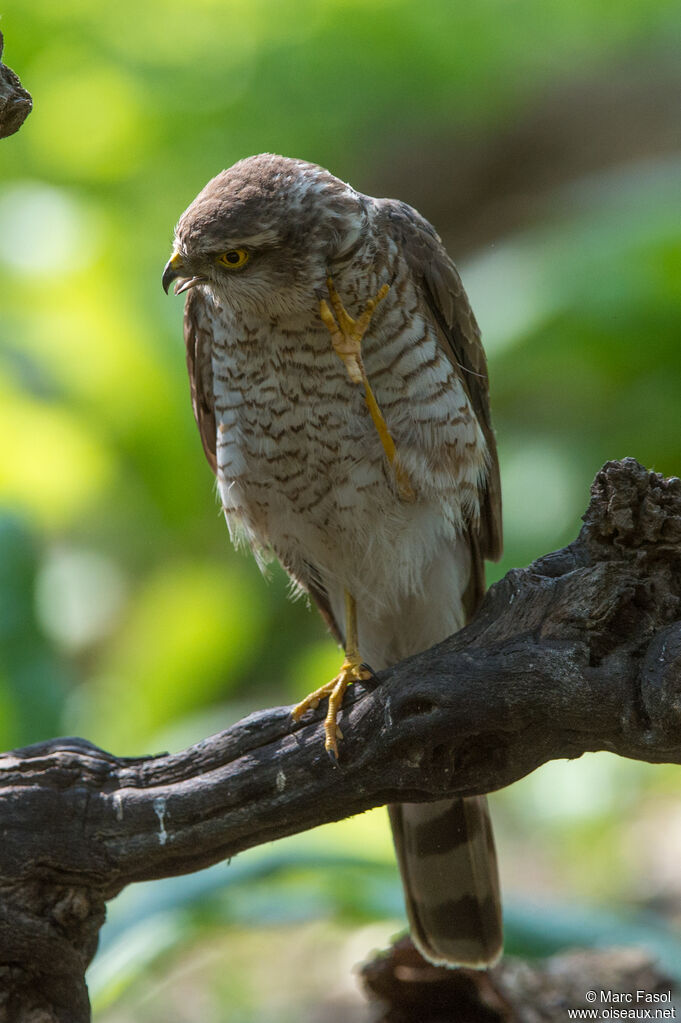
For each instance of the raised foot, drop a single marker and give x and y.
(351, 671)
(346, 338)
(347, 332)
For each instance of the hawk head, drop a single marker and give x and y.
(263, 235)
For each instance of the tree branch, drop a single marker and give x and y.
(581, 651)
(15, 102)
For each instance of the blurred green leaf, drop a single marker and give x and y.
(33, 677)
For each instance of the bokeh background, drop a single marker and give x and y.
(544, 142)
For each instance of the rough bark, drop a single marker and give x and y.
(581, 651)
(15, 102)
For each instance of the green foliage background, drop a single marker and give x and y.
(124, 615)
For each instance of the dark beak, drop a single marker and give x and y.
(173, 269)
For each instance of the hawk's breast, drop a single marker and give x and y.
(301, 469)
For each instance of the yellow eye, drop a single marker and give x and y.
(233, 258)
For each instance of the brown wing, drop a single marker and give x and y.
(459, 334)
(198, 338)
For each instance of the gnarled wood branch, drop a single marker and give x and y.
(581, 651)
(15, 102)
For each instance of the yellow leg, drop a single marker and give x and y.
(351, 671)
(346, 337)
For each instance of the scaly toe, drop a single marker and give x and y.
(312, 701)
(351, 671)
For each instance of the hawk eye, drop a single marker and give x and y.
(233, 258)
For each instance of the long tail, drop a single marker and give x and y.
(449, 872)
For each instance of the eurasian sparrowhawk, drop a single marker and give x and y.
(340, 388)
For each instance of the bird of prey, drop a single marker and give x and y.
(340, 389)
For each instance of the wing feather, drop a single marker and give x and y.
(198, 339)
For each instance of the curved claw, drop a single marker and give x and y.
(351, 671)
(370, 677)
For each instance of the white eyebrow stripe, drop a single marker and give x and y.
(266, 237)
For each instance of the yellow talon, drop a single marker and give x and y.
(346, 337)
(346, 348)
(351, 671)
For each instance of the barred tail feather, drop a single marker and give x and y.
(449, 870)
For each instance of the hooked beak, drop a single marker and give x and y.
(174, 270)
